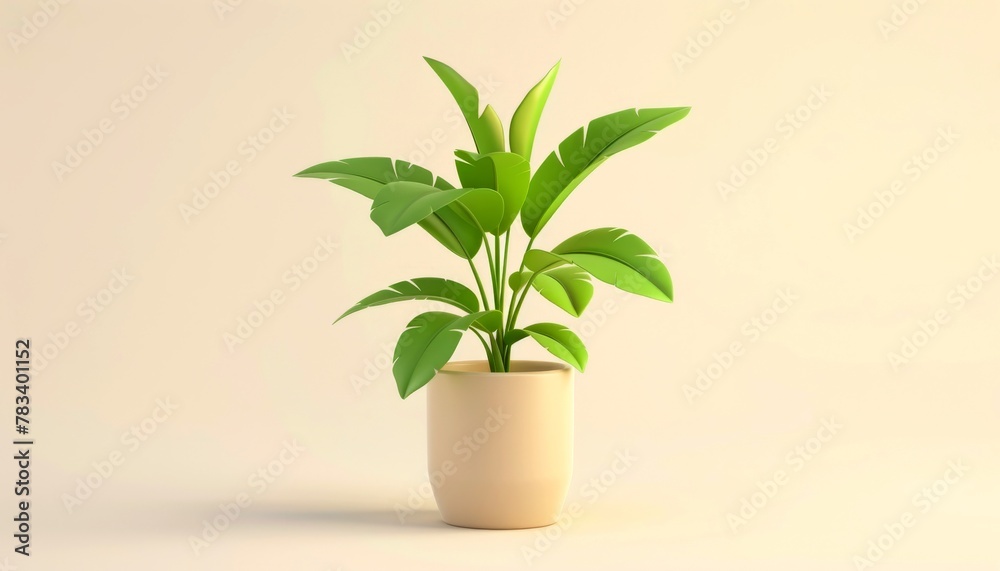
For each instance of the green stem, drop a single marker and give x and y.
(486, 246)
(489, 261)
(479, 282)
(498, 290)
(489, 353)
(505, 349)
(517, 309)
(527, 249)
(497, 356)
(503, 274)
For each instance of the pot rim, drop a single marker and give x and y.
(531, 367)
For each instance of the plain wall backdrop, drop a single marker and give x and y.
(830, 199)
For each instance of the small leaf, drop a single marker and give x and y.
(401, 204)
(506, 173)
(493, 128)
(619, 258)
(486, 207)
(427, 344)
(556, 339)
(582, 152)
(486, 129)
(518, 279)
(568, 287)
(367, 176)
(525, 122)
(436, 289)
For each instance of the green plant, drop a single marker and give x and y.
(497, 188)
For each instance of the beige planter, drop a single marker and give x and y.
(500, 445)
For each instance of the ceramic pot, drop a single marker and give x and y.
(500, 445)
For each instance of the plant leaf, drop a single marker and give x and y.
(556, 339)
(622, 259)
(486, 207)
(486, 129)
(437, 289)
(489, 322)
(518, 279)
(367, 176)
(525, 122)
(492, 126)
(402, 204)
(540, 261)
(427, 344)
(506, 173)
(568, 287)
(585, 150)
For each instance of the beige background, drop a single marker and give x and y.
(889, 92)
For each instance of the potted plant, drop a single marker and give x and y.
(500, 430)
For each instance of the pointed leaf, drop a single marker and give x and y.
(585, 150)
(492, 126)
(622, 259)
(427, 344)
(525, 122)
(568, 287)
(437, 289)
(454, 232)
(367, 176)
(486, 129)
(401, 204)
(506, 173)
(556, 339)
(486, 207)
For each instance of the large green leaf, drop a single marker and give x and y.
(568, 287)
(367, 176)
(525, 122)
(506, 173)
(622, 259)
(556, 339)
(487, 131)
(585, 150)
(436, 289)
(427, 344)
(401, 204)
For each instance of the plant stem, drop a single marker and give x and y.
(489, 353)
(497, 356)
(479, 282)
(527, 249)
(510, 311)
(503, 271)
(504, 348)
(489, 261)
(512, 319)
(497, 276)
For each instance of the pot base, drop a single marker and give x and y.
(499, 528)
